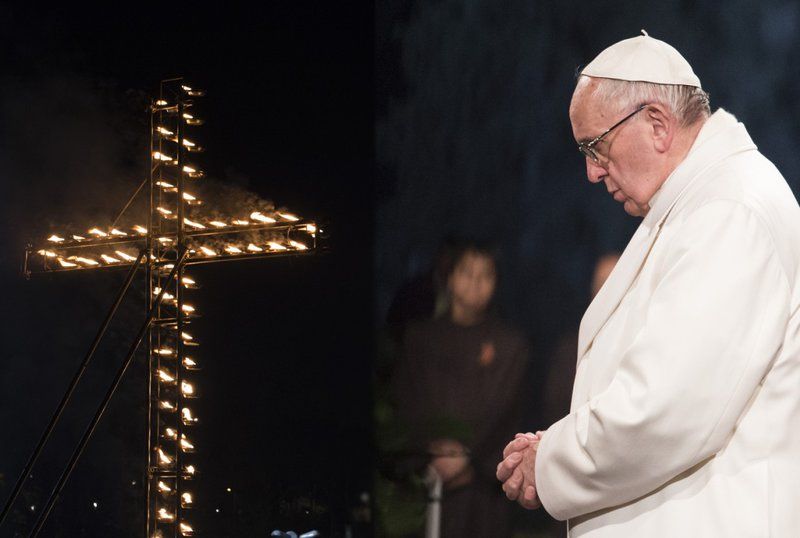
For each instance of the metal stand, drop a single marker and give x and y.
(70, 390)
(101, 408)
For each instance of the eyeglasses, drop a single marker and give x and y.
(587, 148)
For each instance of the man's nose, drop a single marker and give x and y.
(594, 171)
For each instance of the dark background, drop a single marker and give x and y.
(468, 100)
(473, 138)
(285, 403)
(473, 135)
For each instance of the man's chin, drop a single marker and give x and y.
(633, 209)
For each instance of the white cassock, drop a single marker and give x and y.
(685, 418)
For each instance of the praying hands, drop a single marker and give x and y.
(517, 470)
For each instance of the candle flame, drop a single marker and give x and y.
(217, 223)
(189, 364)
(98, 233)
(165, 377)
(46, 253)
(186, 446)
(78, 238)
(163, 458)
(66, 264)
(55, 239)
(81, 259)
(163, 210)
(193, 224)
(157, 155)
(169, 406)
(298, 245)
(276, 246)
(140, 229)
(288, 216)
(170, 433)
(187, 416)
(109, 259)
(186, 498)
(192, 172)
(253, 248)
(188, 281)
(163, 515)
(167, 295)
(208, 252)
(186, 388)
(230, 249)
(240, 222)
(162, 487)
(114, 231)
(124, 256)
(186, 529)
(261, 218)
(310, 228)
(164, 130)
(188, 308)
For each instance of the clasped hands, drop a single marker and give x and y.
(518, 468)
(451, 462)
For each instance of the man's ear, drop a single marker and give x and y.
(662, 124)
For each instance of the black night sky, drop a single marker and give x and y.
(400, 123)
(285, 343)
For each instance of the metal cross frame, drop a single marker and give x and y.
(176, 236)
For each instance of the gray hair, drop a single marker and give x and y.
(688, 104)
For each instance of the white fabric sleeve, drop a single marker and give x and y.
(713, 326)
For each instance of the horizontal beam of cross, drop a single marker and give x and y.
(207, 245)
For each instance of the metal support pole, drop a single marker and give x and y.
(101, 409)
(151, 207)
(71, 389)
(180, 315)
(433, 512)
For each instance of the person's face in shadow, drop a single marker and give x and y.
(472, 285)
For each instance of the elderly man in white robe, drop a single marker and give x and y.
(685, 413)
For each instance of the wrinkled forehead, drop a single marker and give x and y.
(587, 114)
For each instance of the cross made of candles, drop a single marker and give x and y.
(180, 231)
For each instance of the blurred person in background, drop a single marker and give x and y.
(457, 391)
(557, 390)
(424, 295)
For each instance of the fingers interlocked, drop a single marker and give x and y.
(516, 470)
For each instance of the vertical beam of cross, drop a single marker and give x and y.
(168, 443)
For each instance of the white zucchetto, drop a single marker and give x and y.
(644, 59)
